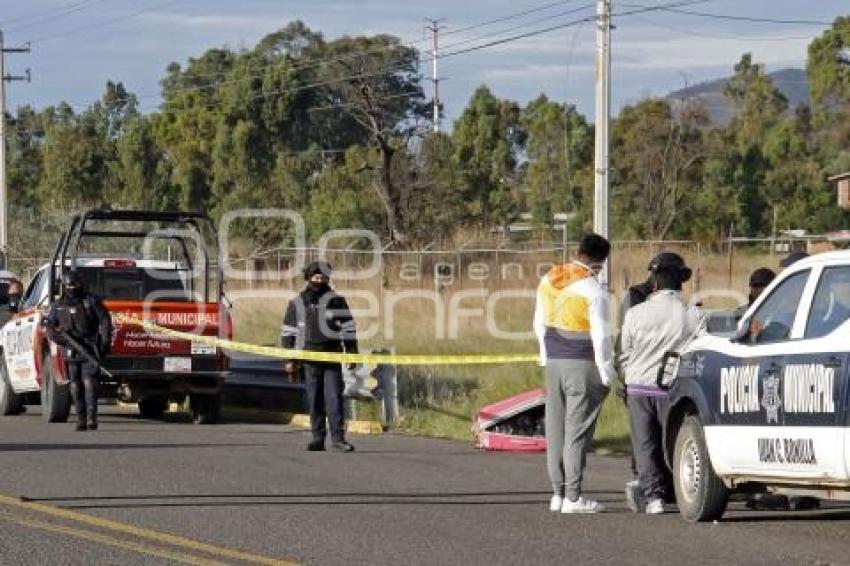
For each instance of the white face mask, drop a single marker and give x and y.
(596, 270)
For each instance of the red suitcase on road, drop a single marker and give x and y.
(514, 424)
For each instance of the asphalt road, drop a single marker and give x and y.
(142, 492)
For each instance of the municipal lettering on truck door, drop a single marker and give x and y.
(750, 434)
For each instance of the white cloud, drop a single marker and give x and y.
(207, 23)
(535, 71)
(705, 52)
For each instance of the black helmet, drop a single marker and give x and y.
(761, 277)
(316, 268)
(670, 262)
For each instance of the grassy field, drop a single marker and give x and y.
(441, 400)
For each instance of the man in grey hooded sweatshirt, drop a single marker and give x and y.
(661, 324)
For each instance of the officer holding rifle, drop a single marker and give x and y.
(79, 323)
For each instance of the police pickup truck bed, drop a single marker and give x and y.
(767, 410)
(147, 368)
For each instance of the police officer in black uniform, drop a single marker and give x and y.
(319, 320)
(81, 315)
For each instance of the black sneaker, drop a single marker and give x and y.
(316, 446)
(81, 426)
(93, 425)
(342, 446)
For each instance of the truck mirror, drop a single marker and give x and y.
(742, 332)
(668, 370)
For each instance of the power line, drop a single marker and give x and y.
(322, 61)
(309, 64)
(104, 23)
(518, 27)
(736, 18)
(572, 23)
(38, 19)
(718, 35)
(508, 17)
(398, 67)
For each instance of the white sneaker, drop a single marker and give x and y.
(555, 504)
(581, 505)
(634, 497)
(655, 507)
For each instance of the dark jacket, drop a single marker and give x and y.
(85, 319)
(320, 322)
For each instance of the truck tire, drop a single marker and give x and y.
(153, 407)
(10, 402)
(55, 398)
(206, 409)
(700, 494)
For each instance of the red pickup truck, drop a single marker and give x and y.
(120, 255)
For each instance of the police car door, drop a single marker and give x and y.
(19, 340)
(750, 417)
(813, 394)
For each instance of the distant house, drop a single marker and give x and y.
(842, 183)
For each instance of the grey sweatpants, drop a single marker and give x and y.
(574, 395)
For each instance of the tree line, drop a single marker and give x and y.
(339, 130)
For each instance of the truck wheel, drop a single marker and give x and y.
(153, 407)
(206, 409)
(700, 494)
(10, 402)
(55, 398)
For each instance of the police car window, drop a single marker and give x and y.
(773, 320)
(134, 284)
(831, 303)
(35, 290)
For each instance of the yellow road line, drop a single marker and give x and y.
(109, 541)
(141, 532)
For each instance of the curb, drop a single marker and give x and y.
(353, 427)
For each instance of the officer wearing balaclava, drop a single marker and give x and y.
(81, 315)
(319, 319)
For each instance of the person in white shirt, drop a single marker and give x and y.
(571, 323)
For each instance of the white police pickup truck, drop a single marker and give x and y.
(767, 410)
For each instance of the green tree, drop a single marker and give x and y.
(375, 81)
(657, 155)
(828, 66)
(487, 138)
(758, 103)
(559, 149)
(144, 171)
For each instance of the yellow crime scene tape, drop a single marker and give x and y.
(309, 356)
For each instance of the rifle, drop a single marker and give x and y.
(79, 348)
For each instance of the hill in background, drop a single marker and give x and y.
(793, 83)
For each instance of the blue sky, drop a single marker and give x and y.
(74, 54)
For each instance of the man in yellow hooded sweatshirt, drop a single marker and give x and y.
(571, 323)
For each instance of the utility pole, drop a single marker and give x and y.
(603, 112)
(434, 27)
(4, 78)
